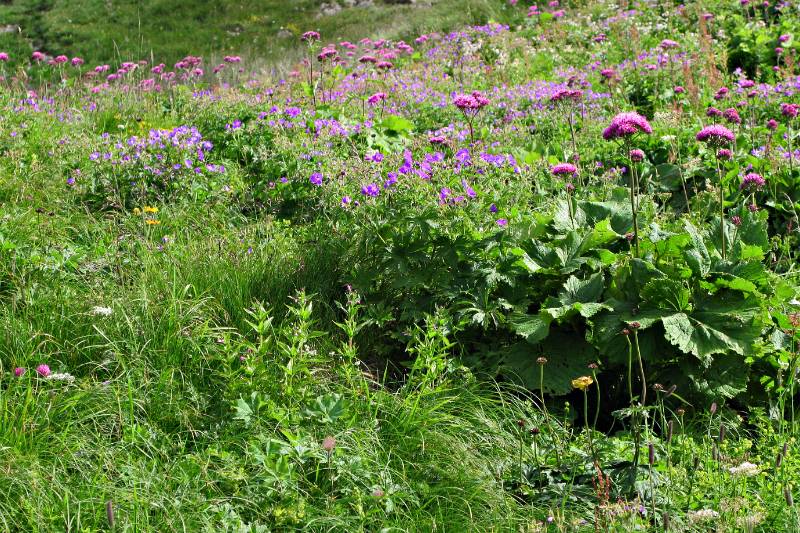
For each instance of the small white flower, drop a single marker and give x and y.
(102, 311)
(703, 515)
(745, 469)
(63, 376)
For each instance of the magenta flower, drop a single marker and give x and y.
(316, 179)
(724, 154)
(679, 89)
(715, 134)
(470, 102)
(667, 44)
(732, 116)
(567, 95)
(713, 112)
(564, 169)
(752, 181)
(772, 124)
(3, 56)
(626, 125)
(43, 370)
(502, 222)
(376, 98)
(76, 61)
(790, 110)
(636, 155)
(328, 443)
(310, 36)
(37, 56)
(19, 371)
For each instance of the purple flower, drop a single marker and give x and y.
(567, 95)
(752, 181)
(316, 179)
(715, 134)
(564, 169)
(724, 154)
(346, 201)
(470, 102)
(790, 110)
(19, 371)
(732, 116)
(502, 222)
(713, 112)
(678, 89)
(43, 370)
(636, 155)
(310, 36)
(371, 190)
(772, 124)
(376, 98)
(493, 208)
(625, 125)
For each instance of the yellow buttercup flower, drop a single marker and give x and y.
(152, 222)
(148, 209)
(582, 383)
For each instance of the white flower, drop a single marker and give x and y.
(703, 515)
(102, 311)
(69, 378)
(745, 469)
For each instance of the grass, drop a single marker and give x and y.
(232, 352)
(263, 31)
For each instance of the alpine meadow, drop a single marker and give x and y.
(399, 266)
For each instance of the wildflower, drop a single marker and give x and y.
(625, 125)
(732, 116)
(564, 168)
(371, 190)
(329, 443)
(102, 311)
(724, 154)
(502, 222)
(43, 370)
(493, 208)
(582, 383)
(752, 181)
(570, 188)
(772, 124)
(567, 95)
(541, 360)
(19, 371)
(746, 469)
(316, 179)
(737, 220)
(61, 376)
(148, 209)
(76, 61)
(472, 103)
(703, 515)
(437, 139)
(715, 134)
(3, 56)
(608, 73)
(790, 110)
(783, 38)
(376, 98)
(713, 112)
(152, 222)
(637, 155)
(678, 89)
(667, 44)
(377, 493)
(310, 36)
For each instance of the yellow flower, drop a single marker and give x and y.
(152, 222)
(137, 211)
(150, 209)
(582, 382)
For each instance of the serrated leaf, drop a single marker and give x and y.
(533, 327)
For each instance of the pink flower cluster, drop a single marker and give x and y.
(715, 134)
(470, 102)
(625, 125)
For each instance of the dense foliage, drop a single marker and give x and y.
(535, 274)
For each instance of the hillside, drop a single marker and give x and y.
(535, 272)
(103, 31)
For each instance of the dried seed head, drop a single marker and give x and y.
(651, 454)
(713, 408)
(110, 513)
(721, 433)
(670, 429)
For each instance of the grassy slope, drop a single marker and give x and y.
(103, 31)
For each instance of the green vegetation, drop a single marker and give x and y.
(490, 278)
